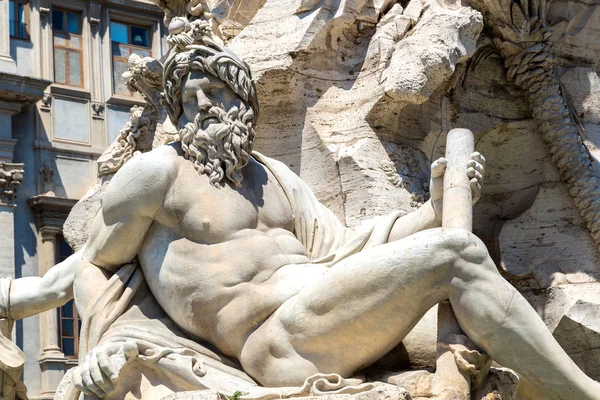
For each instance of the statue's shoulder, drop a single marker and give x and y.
(161, 160)
(146, 175)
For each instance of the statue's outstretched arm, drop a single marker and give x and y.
(118, 230)
(33, 295)
(423, 218)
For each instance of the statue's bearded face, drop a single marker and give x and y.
(215, 128)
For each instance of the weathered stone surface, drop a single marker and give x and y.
(556, 301)
(424, 61)
(552, 243)
(78, 224)
(579, 334)
(339, 93)
(583, 86)
(576, 30)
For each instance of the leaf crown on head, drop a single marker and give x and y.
(195, 45)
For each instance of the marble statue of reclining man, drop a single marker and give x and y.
(238, 253)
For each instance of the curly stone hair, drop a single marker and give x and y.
(213, 59)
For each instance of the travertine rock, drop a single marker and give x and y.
(553, 244)
(78, 224)
(341, 94)
(579, 334)
(426, 59)
(583, 87)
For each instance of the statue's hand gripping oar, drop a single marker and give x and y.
(457, 212)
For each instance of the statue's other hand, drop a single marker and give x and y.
(476, 172)
(101, 367)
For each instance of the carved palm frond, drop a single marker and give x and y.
(521, 34)
(519, 22)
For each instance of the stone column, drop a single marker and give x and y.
(52, 360)
(49, 319)
(51, 213)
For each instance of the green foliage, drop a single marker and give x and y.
(235, 396)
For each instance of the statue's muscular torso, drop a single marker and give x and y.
(221, 260)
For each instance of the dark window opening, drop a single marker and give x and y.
(19, 19)
(69, 323)
(126, 39)
(68, 48)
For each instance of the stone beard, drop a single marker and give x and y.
(223, 148)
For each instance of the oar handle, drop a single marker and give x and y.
(458, 199)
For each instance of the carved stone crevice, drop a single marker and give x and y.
(11, 176)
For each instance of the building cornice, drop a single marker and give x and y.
(51, 211)
(23, 90)
(141, 5)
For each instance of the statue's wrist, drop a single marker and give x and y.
(437, 214)
(5, 297)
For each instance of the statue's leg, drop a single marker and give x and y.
(501, 322)
(368, 302)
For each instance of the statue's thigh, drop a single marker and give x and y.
(361, 308)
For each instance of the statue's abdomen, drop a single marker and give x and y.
(220, 292)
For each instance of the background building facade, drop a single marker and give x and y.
(62, 102)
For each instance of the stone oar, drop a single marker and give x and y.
(449, 382)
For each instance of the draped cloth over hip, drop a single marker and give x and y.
(324, 237)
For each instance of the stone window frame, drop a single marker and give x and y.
(69, 49)
(138, 15)
(26, 22)
(131, 47)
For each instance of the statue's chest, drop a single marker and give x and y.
(207, 214)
